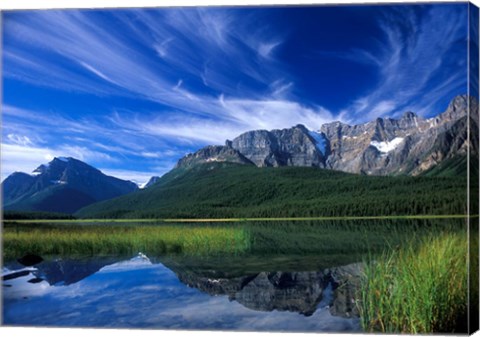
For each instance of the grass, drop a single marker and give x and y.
(118, 240)
(419, 288)
(349, 239)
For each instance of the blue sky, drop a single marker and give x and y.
(132, 91)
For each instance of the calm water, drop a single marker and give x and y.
(278, 286)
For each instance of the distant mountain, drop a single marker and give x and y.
(63, 185)
(408, 145)
(150, 182)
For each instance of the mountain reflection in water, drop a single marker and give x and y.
(168, 293)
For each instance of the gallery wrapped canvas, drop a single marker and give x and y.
(301, 168)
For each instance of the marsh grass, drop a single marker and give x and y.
(107, 240)
(349, 240)
(418, 288)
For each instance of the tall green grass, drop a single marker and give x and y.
(106, 240)
(338, 242)
(419, 288)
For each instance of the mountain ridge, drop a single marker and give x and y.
(63, 185)
(385, 146)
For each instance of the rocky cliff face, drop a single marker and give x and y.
(287, 147)
(385, 146)
(213, 154)
(409, 145)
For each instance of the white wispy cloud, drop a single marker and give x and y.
(178, 85)
(215, 35)
(162, 47)
(276, 114)
(356, 55)
(96, 141)
(383, 107)
(412, 63)
(138, 177)
(19, 139)
(25, 158)
(97, 72)
(266, 48)
(408, 58)
(280, 88)
(235, 117)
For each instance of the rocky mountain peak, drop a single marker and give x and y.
(409, 115)
(457, 108)
(62, 168)
(286, 147)
(213, 153)
(333, 127)
(301, 127)
(458, 103)
(41, 169)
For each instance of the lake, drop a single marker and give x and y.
(281, 276)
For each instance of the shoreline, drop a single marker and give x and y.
(385, 217)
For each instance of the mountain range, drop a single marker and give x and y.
(408, 146)
(63, 185)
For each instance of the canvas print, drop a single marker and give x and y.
(249, 168)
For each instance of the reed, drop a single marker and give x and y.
(418, 288)
(107, 240)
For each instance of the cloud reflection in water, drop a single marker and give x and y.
(139, 294)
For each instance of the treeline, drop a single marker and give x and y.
(20, 215)
(241, 191)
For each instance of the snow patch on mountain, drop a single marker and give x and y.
(387, 146)
(58, 182)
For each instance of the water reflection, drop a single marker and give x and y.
(140, 293)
